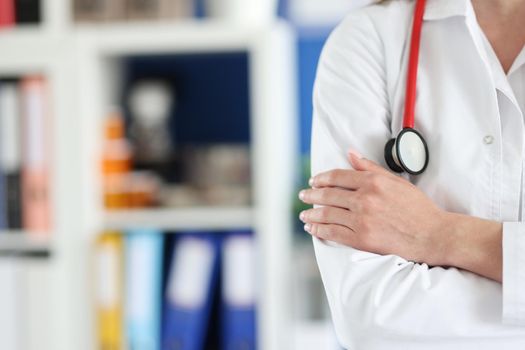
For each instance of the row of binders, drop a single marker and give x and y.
(15, 12)
(24, 155)
(186, 291)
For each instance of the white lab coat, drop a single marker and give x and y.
(471, 116)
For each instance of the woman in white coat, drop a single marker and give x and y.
(437, 260)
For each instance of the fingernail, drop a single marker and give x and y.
(302, 216)
(301, 194)
(354, 153)
(308, 227)
(311, 182)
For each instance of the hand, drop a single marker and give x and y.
(371, 209)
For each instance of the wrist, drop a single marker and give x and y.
(470, 242)
(447, 234)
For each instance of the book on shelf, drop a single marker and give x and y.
(7, 13)
(110, 296)
(143, 288)
(238, 291)
(190, 291)
(35, 171)
(10, 157)
(28, 11)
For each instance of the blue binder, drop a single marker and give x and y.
(190, 290)
(238, 292)
(143, 292)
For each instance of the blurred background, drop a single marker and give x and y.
(151, 152)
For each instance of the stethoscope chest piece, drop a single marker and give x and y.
(408, 152)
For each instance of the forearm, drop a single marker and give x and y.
(475, 245)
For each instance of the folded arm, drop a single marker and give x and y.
(373, 210)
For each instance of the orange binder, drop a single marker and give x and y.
(109, 295)
(35, 162)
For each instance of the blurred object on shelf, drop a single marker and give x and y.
(124, 188)
(99, 10)
(144, 189)
(321, 12)
(253, 12)
(150, 103)
(116, 162)
(219, 173)
(159, 9)
(179, 196)
(117, 152)
(217, 164)
(116, 192)
(227, 195)
(137, 189)
(121, 10)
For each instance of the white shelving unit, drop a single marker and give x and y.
(81, 64)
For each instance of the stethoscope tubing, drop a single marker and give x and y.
(413, 63)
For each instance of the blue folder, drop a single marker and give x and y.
(238, 306)
(143, 292)
(190, 290)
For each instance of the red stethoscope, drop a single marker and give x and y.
(408, 152)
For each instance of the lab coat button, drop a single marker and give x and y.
(488, 140)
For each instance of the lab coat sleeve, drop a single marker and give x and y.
(372, 297)
(514, 273)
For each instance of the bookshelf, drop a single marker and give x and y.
(81, 63)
